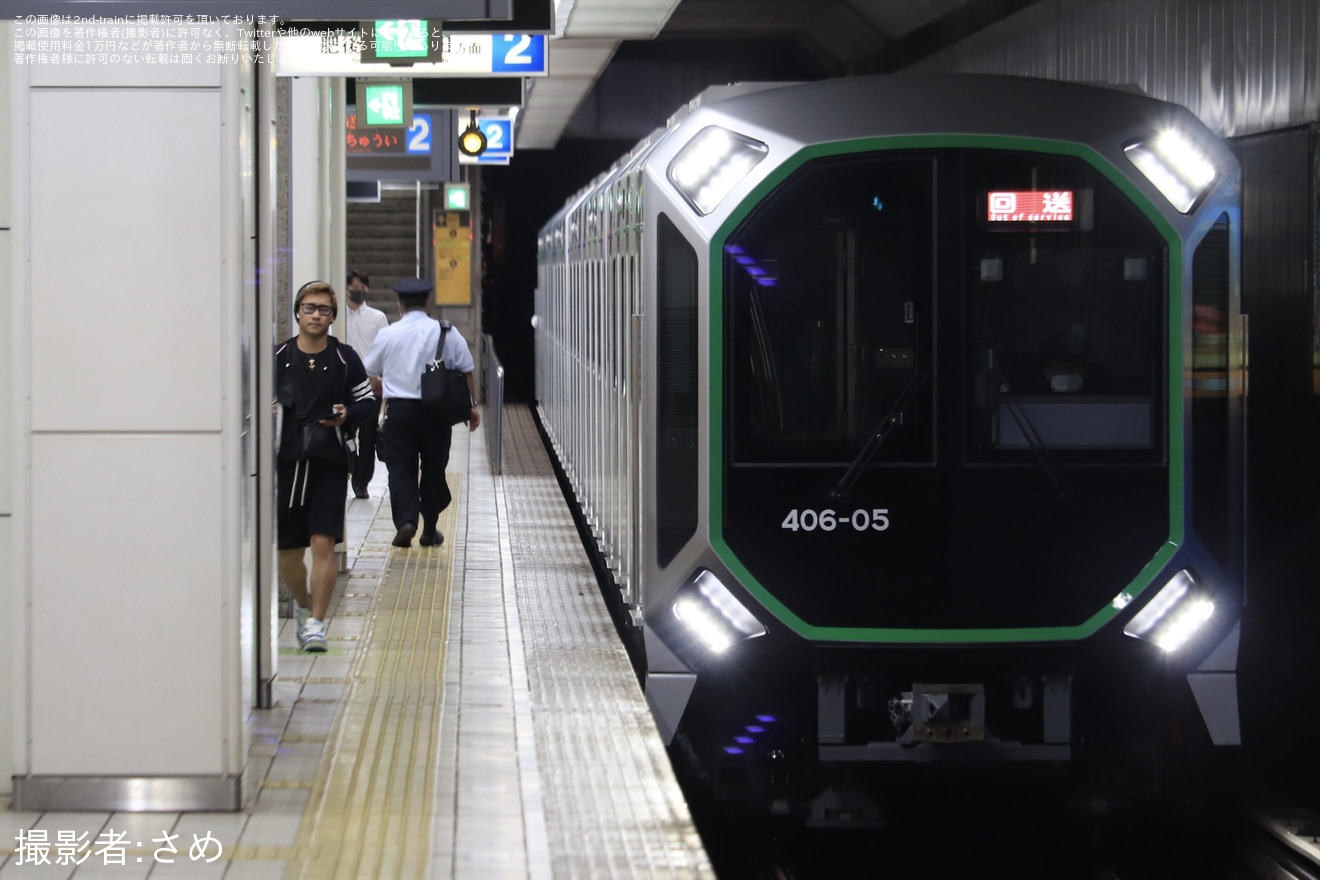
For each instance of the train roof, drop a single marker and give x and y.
(885, 105)
(901, 104)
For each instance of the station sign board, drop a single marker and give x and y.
(499, 141)
(416, 140)
(424, 151)
(339, 53)
(484, 159)
(538, 16)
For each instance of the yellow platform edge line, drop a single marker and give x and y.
(368, 815)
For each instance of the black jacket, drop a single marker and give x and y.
(305, 396)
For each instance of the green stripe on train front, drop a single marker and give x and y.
(716, 390)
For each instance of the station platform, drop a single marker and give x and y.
(474, 717)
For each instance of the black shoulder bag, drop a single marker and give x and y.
(445, 391)
(322, 442)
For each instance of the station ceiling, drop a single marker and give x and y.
(619, 68)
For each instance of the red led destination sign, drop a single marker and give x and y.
(362, 142)
(1030, 206)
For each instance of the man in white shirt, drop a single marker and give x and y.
(409, 430)
(362, 323)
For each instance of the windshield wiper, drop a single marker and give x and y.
(1053, 472)
(877, 439)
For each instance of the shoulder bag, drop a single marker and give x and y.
(445, 391)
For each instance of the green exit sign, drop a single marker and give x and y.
(383, 104)
(401, 41)
(458, 196)
(401, 38)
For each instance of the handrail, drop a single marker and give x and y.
(494, 416)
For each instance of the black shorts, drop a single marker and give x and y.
(311, 500)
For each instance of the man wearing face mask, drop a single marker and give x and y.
(362, 323)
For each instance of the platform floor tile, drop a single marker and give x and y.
(474, 717)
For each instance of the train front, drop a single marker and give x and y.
(971, 423)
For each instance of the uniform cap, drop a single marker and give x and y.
(413, 287)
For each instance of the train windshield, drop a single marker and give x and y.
(831, 295)
(1012, 300)
(1064, 290)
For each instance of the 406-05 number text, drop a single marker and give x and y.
(875, 520)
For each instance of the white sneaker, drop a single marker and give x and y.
(300, 616)
(313, 636)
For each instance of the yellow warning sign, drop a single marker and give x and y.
(451, 236)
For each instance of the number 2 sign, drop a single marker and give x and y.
(518, 53)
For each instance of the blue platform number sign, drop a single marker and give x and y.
(518, 53)
(419, 136)
(499, 136)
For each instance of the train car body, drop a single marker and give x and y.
(905, 412)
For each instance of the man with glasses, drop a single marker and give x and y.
(322, 393)
(362, 323)
(410, 432)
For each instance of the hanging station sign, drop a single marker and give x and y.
(341, 53)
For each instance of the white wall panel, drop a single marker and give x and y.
(9, 604)
(105, 74)
(6, 322)
(127, 265)
(304, 176)
(10, 621)
(6, 206)
(133, 277)
(7, 373)
(118, 573)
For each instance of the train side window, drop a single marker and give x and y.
(1211, 489)
(676, 392)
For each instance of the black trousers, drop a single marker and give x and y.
(364, 468)
(411, 437)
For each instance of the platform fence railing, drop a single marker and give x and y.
(494, 417)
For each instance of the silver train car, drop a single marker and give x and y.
(905, 413)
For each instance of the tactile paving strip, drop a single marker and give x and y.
(612, 805)
(371, 809)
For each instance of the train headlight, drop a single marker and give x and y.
(710, 613)
(712, 164)
(1174, 615)
(1176, 164)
